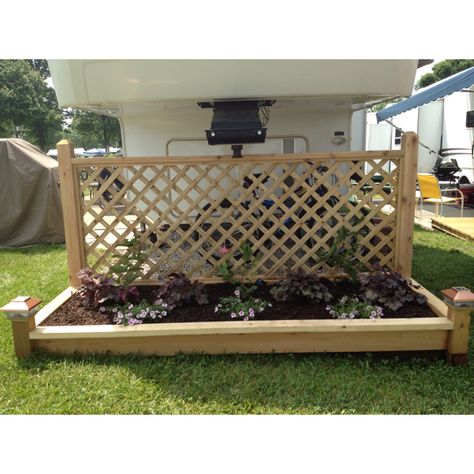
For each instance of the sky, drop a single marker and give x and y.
(244, 29)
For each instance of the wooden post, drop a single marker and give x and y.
(69, 184)
(460, 301)
(406, 202)
(21, 312)
(458, 338)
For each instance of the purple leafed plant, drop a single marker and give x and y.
(95, 288)
(179, 290)
(389, 289)
(299, 283)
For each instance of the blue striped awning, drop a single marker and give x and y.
(440, 89)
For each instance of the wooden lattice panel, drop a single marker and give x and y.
(288, 208)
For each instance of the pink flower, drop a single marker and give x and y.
(223, 250)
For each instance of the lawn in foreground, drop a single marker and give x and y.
(275, 383)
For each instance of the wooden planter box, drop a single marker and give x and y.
(447, 331)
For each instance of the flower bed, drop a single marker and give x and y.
(286, 326)
(73, 313)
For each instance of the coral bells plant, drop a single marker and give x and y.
(95, 288)
(131, 315)
(352, 308)
(302, 284)
(389, 289)
(179, 290)
(238, 308)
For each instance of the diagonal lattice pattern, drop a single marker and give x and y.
(288, 210)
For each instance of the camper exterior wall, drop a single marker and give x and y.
(358, 130)
(168, 132)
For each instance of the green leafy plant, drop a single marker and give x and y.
(299, 283)
(342, 254)
(128, 265)
(389, 289)
(243, 273)
(238, 308)
(352, 308)
(128, 268)
(179, 289)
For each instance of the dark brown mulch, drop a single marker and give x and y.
(72, 313)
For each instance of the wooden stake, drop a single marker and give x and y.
(71, 211)
(406, 205)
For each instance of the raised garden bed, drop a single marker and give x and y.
(431, 329)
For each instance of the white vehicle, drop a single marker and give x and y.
(440, 123)
(165, 106)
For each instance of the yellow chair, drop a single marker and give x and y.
(431, 192)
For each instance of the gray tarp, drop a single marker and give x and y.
(30, 202)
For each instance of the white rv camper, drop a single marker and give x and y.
(165, 106)
(440, 123)
(182, 108)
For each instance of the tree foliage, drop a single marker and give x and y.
(91, 130)
(28, 106)
(29, 110)
(442, 70)
(41, 66)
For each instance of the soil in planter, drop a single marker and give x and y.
(72, 313)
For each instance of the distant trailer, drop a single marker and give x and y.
(440, 122)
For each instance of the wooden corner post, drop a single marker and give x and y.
(406, 202)
(458, 338)
(69, 185)
(460, 301)
(21, 312)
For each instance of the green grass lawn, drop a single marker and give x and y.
(251, 384)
